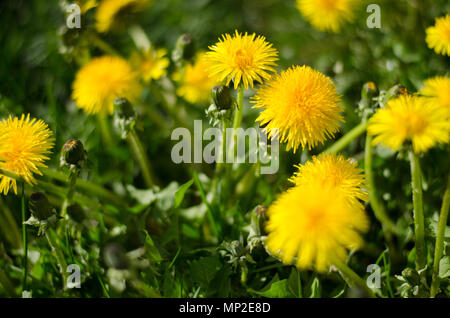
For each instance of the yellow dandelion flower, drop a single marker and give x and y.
(151, 64)
(438, 36)
(437, 91)
(98, 83)
(327, 15)
(86, 5)
(195, 82)
(313, 226)
(242, 58)
(335, 171)
(111, 11)
(410, 118)
(24, 144)
(303, 104)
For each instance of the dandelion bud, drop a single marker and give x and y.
(184, 49)
(73, 152)
(114, 256)
(123, 108)
(221, 96)
(40, 207)
(76, 212)
(411, 276)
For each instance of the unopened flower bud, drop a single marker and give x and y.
(40, 207)
(411, 276)
(123, 108)
(184, 49)
(221, 96)
(76, 212)
(73, 152)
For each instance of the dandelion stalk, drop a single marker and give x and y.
(352, 278)
(343, 142)
(102, 45)
(377, 206)
(88, 186)
(69, 198)
(105, 130)
(419, 225)
(240, 107)
(139, 37)
(237, 121)
(141, 157)
(438, 251)
(25, 240)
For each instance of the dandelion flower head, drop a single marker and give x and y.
(437, 91)
(242, 58)
(410, 118)
(98, 83)
(195, 82)
(438, 36)
(111, 11)
(314, 226)
(151, 64)
(24, 146)
(335, 171)
(327, 15)
(302, 104)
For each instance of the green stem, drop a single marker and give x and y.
(141, 157)
(377, 206)
(105, 130)
(69, 198)
(347, 138)
(139, 37)
(205, 201)
(58, 254)
(105, 290)
(25, 241)
(240, 107)
(88, 186)
(438, 251)
(61, 192)
(299, 284)
(419, 225)
(232, 146)
(224, 146)
(102, 45)
(352, 278)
